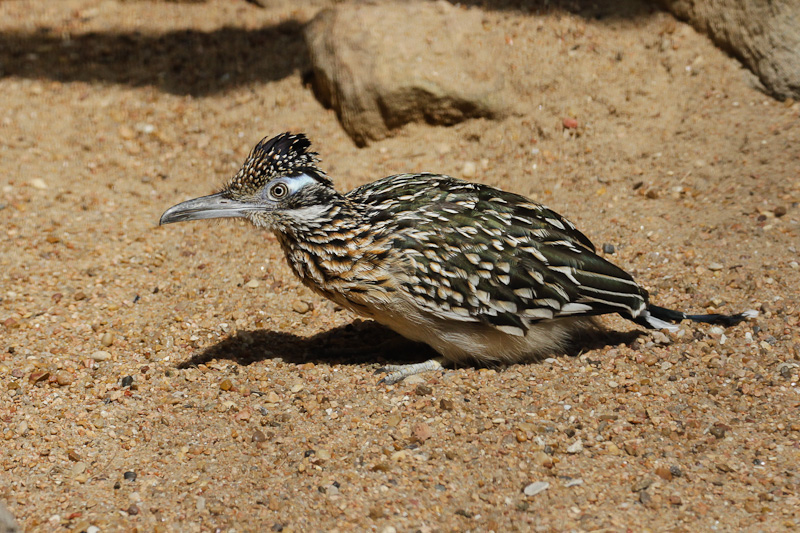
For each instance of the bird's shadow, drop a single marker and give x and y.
(358, 343)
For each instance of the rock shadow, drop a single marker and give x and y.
(184, 62)
(588, 9)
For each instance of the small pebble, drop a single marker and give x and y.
(133, 510)
(299, 306)
(64, 378)
(272, 397)
(225, 384)
(535, 488)
(129, 476)
(715, 266)
(659, 337)
(779, 211)
(127, 381)
(423, 390)
(258, 436)
(469, 170)
(107, 339)
(609, 248)
(252, 284)
(78, 468)
(570, 123)
(38, 183)
(100, 355)
(575, 447)
(421, 432)
(664, 473)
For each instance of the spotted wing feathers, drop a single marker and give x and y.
(476, 253)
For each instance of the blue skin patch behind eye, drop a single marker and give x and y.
(294, 183)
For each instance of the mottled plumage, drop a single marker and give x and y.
(473, 271)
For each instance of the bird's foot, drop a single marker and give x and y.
(395, 373)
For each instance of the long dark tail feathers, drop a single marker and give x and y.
(661, 318)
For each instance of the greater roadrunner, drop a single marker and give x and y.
(475, 272)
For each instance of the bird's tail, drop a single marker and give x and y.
(661, 318)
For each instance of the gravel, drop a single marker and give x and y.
(228, 383)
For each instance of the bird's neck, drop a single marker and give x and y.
(323, 243)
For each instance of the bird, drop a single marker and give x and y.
(479, 274)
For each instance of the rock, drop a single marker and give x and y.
(765, 36)
(252, 284)
(371, 66)
(535, 488)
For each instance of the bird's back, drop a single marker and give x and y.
(468, 253)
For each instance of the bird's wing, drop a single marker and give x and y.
(476, 253)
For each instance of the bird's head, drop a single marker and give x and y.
(278, 187)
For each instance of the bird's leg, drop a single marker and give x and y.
(400, 372)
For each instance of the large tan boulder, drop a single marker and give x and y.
(383, 65)
(763, 34)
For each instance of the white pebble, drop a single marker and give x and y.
(252, 284)
(469, 170)
(535, 488)
(101, 355)
(575, 447)
(38, 183)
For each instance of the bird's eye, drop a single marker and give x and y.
(278, 191)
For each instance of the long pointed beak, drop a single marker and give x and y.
(212, 206)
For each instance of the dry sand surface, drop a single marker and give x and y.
(179, 378)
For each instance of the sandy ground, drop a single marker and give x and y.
(180, 379)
